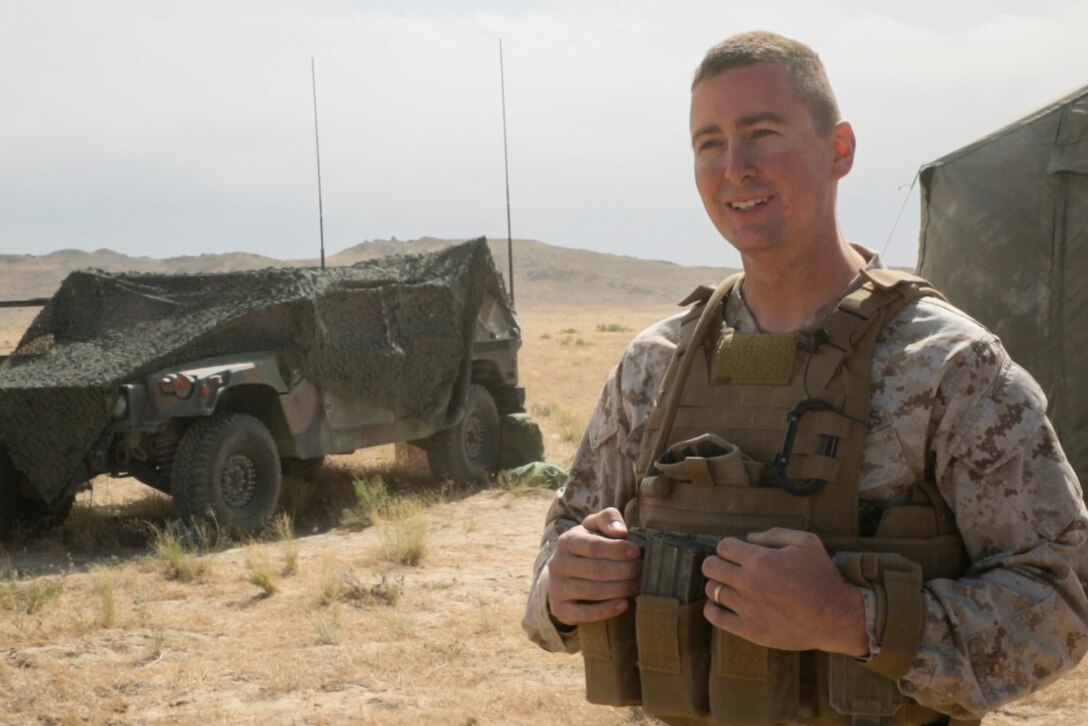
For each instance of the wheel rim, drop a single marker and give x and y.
(238, 481)
(474, 437)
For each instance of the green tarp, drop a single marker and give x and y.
(1005, 236)
(394, 332)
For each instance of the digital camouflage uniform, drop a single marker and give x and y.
(948, 405)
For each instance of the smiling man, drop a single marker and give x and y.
(877, 515)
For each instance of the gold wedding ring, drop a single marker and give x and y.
(717, 591)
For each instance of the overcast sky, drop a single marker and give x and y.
(169, 128)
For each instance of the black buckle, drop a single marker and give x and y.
(782, 458)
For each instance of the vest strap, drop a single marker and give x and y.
(900, 611)
(660, 420)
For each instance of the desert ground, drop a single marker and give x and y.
(321, 622)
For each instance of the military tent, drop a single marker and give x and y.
(1004, 235)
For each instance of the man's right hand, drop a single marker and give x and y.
(594, 570)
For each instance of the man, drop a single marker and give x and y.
(909, 433)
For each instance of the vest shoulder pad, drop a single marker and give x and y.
(702, 293)
(699, 295)
(888, 279)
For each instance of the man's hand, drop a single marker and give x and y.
(780, 589)
(593, 570)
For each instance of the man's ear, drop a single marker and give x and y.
(842, 145)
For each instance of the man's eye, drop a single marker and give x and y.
(760, 133)
(710, 144)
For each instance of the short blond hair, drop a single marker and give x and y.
(809, 77)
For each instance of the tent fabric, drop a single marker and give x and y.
(1004, 235)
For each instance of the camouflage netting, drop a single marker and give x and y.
(394, 332)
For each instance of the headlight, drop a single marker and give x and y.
(177, 384)
(183, 385)
(120, 405)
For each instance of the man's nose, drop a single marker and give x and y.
(738, 166)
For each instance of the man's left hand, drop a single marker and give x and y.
(780, 589)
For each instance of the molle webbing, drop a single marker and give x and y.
(661, 417)
(753, 431)
(829, 367)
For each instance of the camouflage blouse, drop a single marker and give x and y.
(949, 405)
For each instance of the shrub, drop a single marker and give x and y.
(181, 549)
(403, 531)
(341, 585)
(286, 532)
(371, 495)
(328, 631)
(30, 598)
(261, 572)
(103, 588)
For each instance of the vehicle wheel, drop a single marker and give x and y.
(467, 452)
(227, 468)
(10, 498)
(18, 512)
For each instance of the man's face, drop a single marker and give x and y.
(766, 177)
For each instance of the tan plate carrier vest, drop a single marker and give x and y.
(753, 431)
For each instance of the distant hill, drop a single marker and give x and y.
(545, 276)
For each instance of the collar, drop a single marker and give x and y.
(739, 316)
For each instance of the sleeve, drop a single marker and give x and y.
(603, 471)
(1018, 618)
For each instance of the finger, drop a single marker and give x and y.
(564, 564)
(564, 588)
(608, 522)
(718, 570)
(581, 542)
(723, 618)
(782, 537)
(573, 613)
(737, 550)
(720, 594)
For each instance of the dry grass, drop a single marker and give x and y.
(107, 603)
(260, 571)
(181, 550)
(285, 532)
(97, 625)
(402, 528)
(563, 378)
(28, 598)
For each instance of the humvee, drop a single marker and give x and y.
(207, 387)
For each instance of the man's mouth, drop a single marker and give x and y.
(749, 204)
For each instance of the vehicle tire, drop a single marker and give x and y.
(467, 451)
(18, 512)
(10, 498)
(227, 469)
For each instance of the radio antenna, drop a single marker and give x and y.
(506, 165)
(317, 144)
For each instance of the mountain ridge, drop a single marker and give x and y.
(545, 275)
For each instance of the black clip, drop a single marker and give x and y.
(782, 459)
(820, 337)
